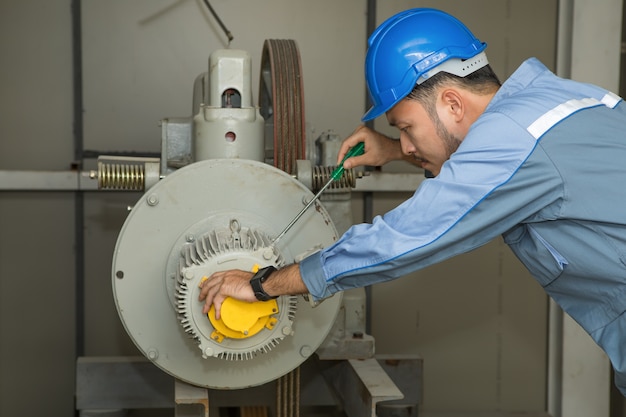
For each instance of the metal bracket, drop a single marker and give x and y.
(190, 400)
(361, 384)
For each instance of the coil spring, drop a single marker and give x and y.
(113, 176)
(322, 174)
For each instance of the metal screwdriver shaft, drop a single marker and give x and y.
(334, 176)
(295, 219)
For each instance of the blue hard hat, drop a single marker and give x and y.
(412, 46)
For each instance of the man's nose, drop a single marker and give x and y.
(407, 147)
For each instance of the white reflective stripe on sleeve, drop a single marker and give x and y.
(611, 99)
(560, 112)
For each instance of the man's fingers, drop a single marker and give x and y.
(217, 303)
(355, 161)
(204, 289)
(213, 298)
(349, 142)
(209, 287)
(209, 298)
(215, 289)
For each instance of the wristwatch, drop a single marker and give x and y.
(258, 279)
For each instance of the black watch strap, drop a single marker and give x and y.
(258, 279)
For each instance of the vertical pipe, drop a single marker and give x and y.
(564, 38)
(555, 314)
(368, 197)
(555, 359)
(79, 204)
(369, 27)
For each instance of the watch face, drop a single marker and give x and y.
(264, 273)
(256, 281)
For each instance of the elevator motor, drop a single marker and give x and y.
(222, 210)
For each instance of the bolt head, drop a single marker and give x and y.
(153, 200)
(306, 351)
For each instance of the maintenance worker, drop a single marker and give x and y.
(539, 159)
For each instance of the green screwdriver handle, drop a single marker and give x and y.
(354, 151)
(336, 174)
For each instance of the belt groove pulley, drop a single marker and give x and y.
(281, 101)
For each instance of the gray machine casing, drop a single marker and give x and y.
(187, 204)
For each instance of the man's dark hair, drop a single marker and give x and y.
(481, 81)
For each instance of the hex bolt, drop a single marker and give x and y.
(153, 354)
(153, 200)
(286, 330)
(189, 274)
(268, 253)
(190, 238)
(306, 351)
(208, 351)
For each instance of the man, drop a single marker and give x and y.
(539, 160)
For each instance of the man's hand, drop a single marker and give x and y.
(233, 283)
(236, 284)
(379, 149)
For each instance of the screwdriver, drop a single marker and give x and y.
(334, 176)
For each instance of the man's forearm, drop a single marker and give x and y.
(285, 281)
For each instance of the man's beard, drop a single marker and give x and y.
(450, 141)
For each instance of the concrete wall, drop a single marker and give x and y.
(479, 320)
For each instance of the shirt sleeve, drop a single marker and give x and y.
(480, 193)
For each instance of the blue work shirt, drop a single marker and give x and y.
(545, 167)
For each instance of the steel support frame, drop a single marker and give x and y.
(369, 387)
(17, 180)
(362, 384)
(190, 401)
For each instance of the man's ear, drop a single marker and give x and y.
(452, 104)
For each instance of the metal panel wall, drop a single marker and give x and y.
(36, 229)
(483, 343)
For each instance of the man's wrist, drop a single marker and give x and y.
(257, 283)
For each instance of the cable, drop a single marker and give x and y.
(219, 21)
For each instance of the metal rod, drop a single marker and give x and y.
(295, 219)
(79, 203)
(368, 197)
(219, 21)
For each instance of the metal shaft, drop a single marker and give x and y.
(309, 204)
